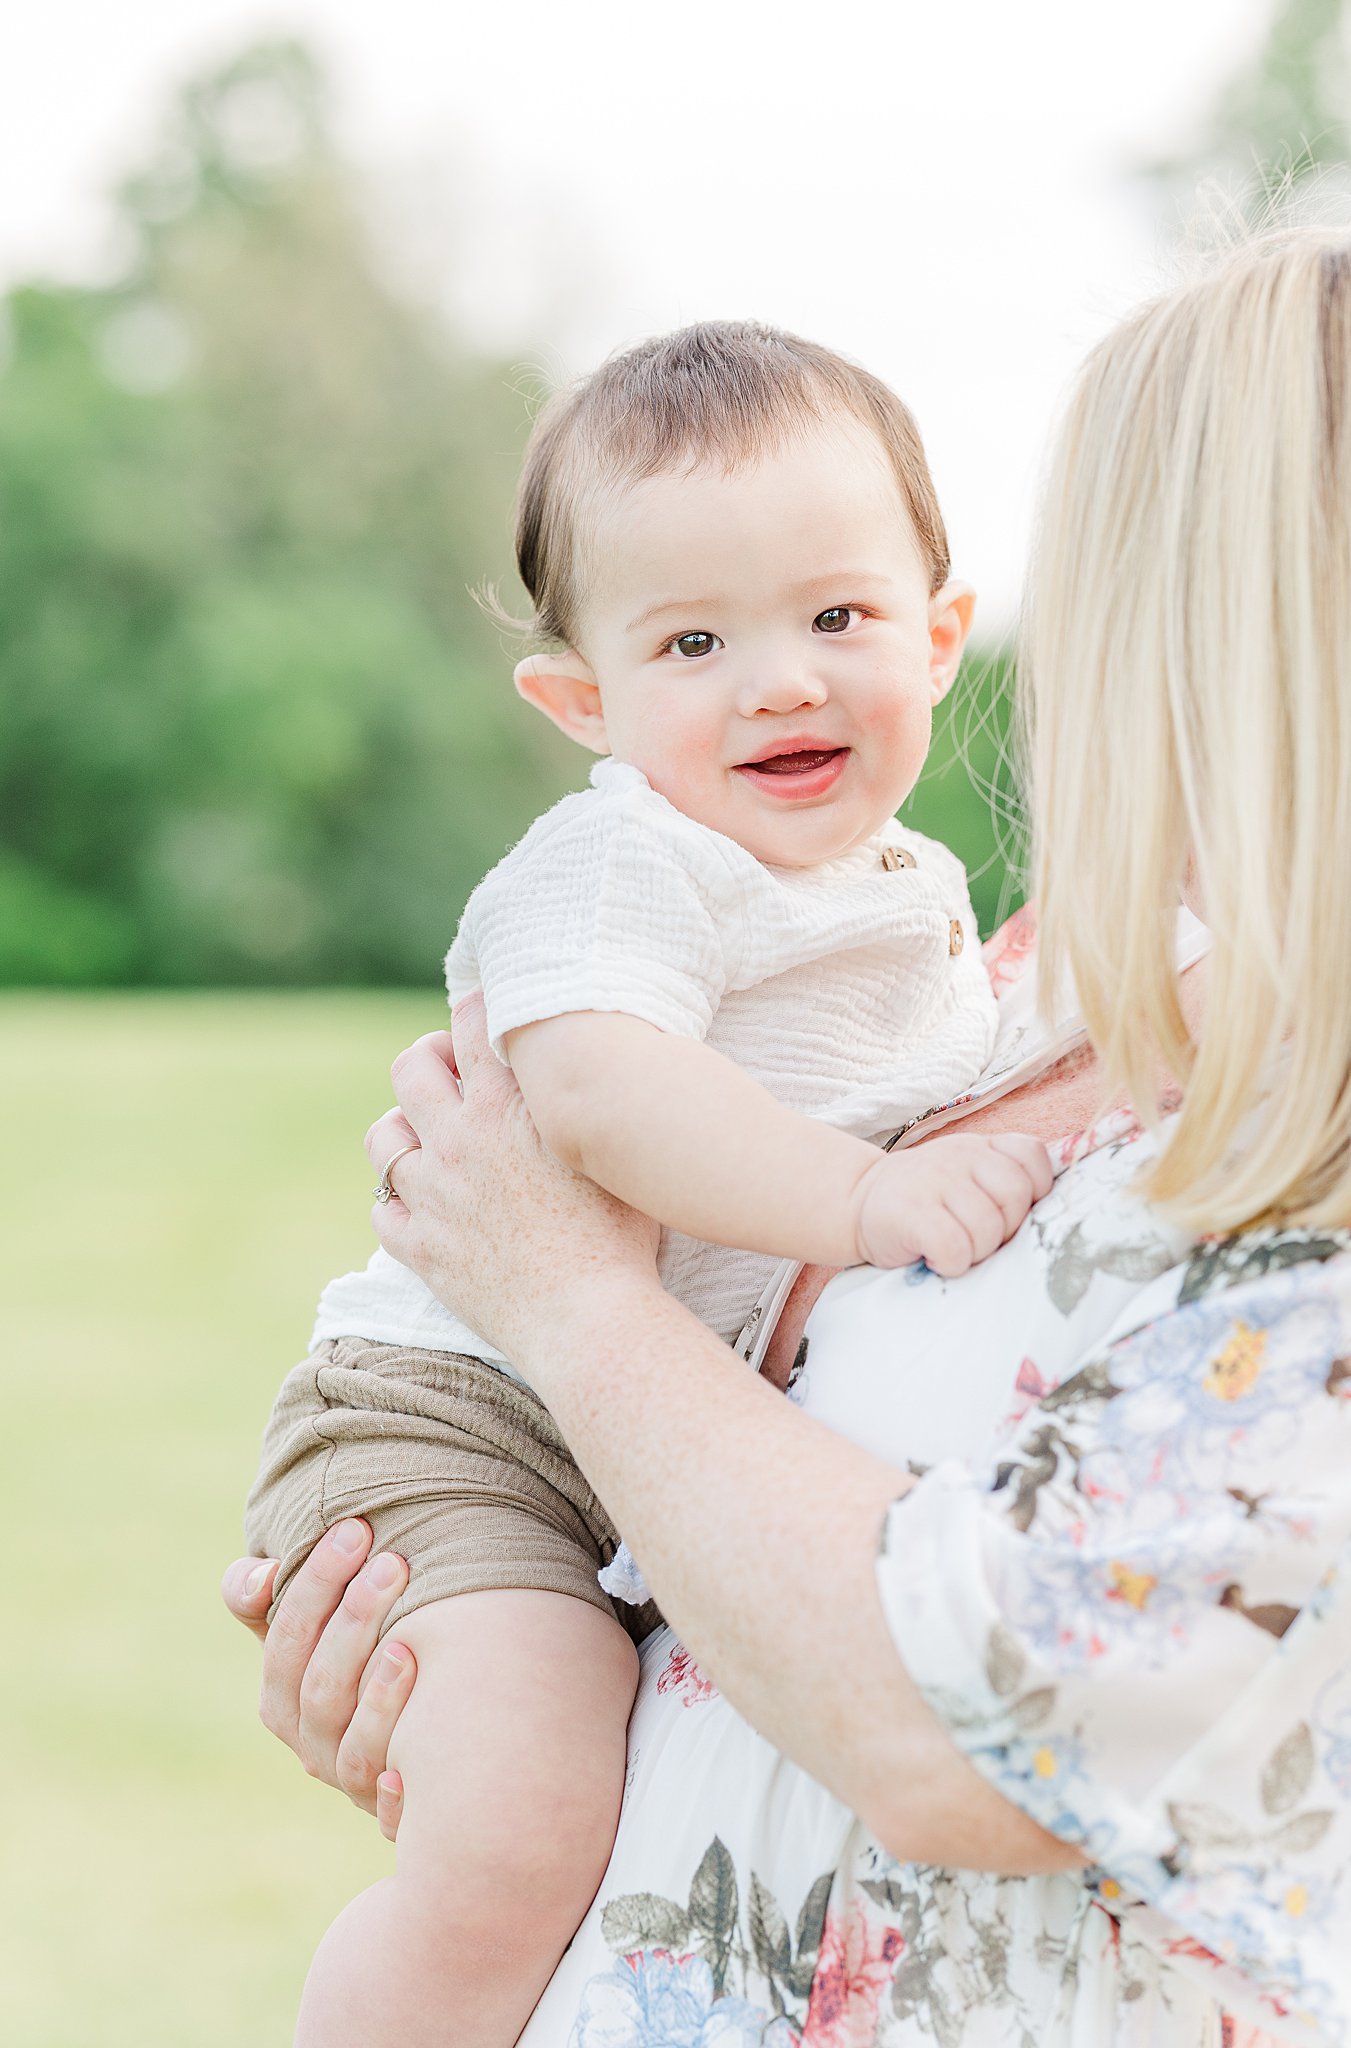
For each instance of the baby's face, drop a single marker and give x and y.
(765, 644)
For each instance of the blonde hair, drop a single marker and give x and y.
(1186, 663)
(723, 391)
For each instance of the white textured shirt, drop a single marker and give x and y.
(853, 991)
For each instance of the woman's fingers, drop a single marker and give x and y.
(388, 1135)
(322, 1639)
(331, 1685)
(363, 1752)
(425, 1084)
(469, 1035)
(246, 1590)
(389, 1803)
(311, 1600)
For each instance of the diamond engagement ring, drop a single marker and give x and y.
(384, 1187)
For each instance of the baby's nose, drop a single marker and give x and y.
(786, 688)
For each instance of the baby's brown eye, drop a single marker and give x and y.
(833, 621)
(692, 645)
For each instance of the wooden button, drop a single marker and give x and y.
(956, 938)
(894, 857)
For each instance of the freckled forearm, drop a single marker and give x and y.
(758, 1531)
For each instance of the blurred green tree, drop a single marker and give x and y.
(253, 726)
(1280, 118)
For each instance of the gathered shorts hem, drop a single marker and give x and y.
(456, 1467)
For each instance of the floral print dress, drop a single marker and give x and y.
(1123, 1582)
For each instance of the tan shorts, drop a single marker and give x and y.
(455, 1466)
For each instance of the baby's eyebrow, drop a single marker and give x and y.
(837, 581)
(671, 604)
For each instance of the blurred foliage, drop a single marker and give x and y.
(1279, 120)
(253, 727)
(252, 724)
(968, 795)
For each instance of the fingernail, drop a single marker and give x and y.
(348, 1537)
(392, 1661)
(389, 1784)
(257, 1578)
(383, 1572)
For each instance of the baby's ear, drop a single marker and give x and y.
(950, 611)
(564, 689)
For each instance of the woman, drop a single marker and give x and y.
(1096, 1729)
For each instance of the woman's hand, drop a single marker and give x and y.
(331, 1690)
(500, 1231)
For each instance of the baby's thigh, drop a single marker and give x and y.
(457, 1469)
(512, 1747)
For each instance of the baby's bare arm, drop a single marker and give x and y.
(674, 1129)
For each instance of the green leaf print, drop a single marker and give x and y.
(759, 1964)
(714, 1904)
(1247, 1255)
(811, 1925)
(1005, 1661)
(642, 1920)
(1289, 1771)
(770, 1943)
(1304, 1832)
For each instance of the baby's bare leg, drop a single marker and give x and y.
(512, 1756)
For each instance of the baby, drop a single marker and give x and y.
(717, 974)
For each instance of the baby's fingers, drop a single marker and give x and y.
(981, 1222)
(1009, 1182)
(1031, 1155)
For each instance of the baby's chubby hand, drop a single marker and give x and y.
(951, 1201)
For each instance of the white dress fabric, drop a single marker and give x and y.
(1123, 1583)
(852, 990)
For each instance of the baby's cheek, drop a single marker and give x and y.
(683, 744)
(897, 714)
(681, 760)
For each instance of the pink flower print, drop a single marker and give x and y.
(683, 1677)
(1242, 2034)
(1028, 1389)
(1007, 951)
(856, 1965)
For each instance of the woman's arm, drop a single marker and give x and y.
(758, 1529)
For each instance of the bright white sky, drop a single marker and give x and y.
(940, 187)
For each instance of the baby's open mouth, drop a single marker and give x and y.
(799, 772)
(794, 764)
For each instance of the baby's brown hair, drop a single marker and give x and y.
(721, 391)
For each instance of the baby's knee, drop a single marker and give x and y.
(504, 1904)
(512, 1755)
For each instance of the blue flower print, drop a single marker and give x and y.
(1332, 1725)
(657, 2000)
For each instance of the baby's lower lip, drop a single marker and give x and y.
(796, 775)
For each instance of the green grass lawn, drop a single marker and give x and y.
(184, 1173)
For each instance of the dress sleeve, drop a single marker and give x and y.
(617, 907)
(1137, 1622)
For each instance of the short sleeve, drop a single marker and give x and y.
(1137, 1622)
(610, 903)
